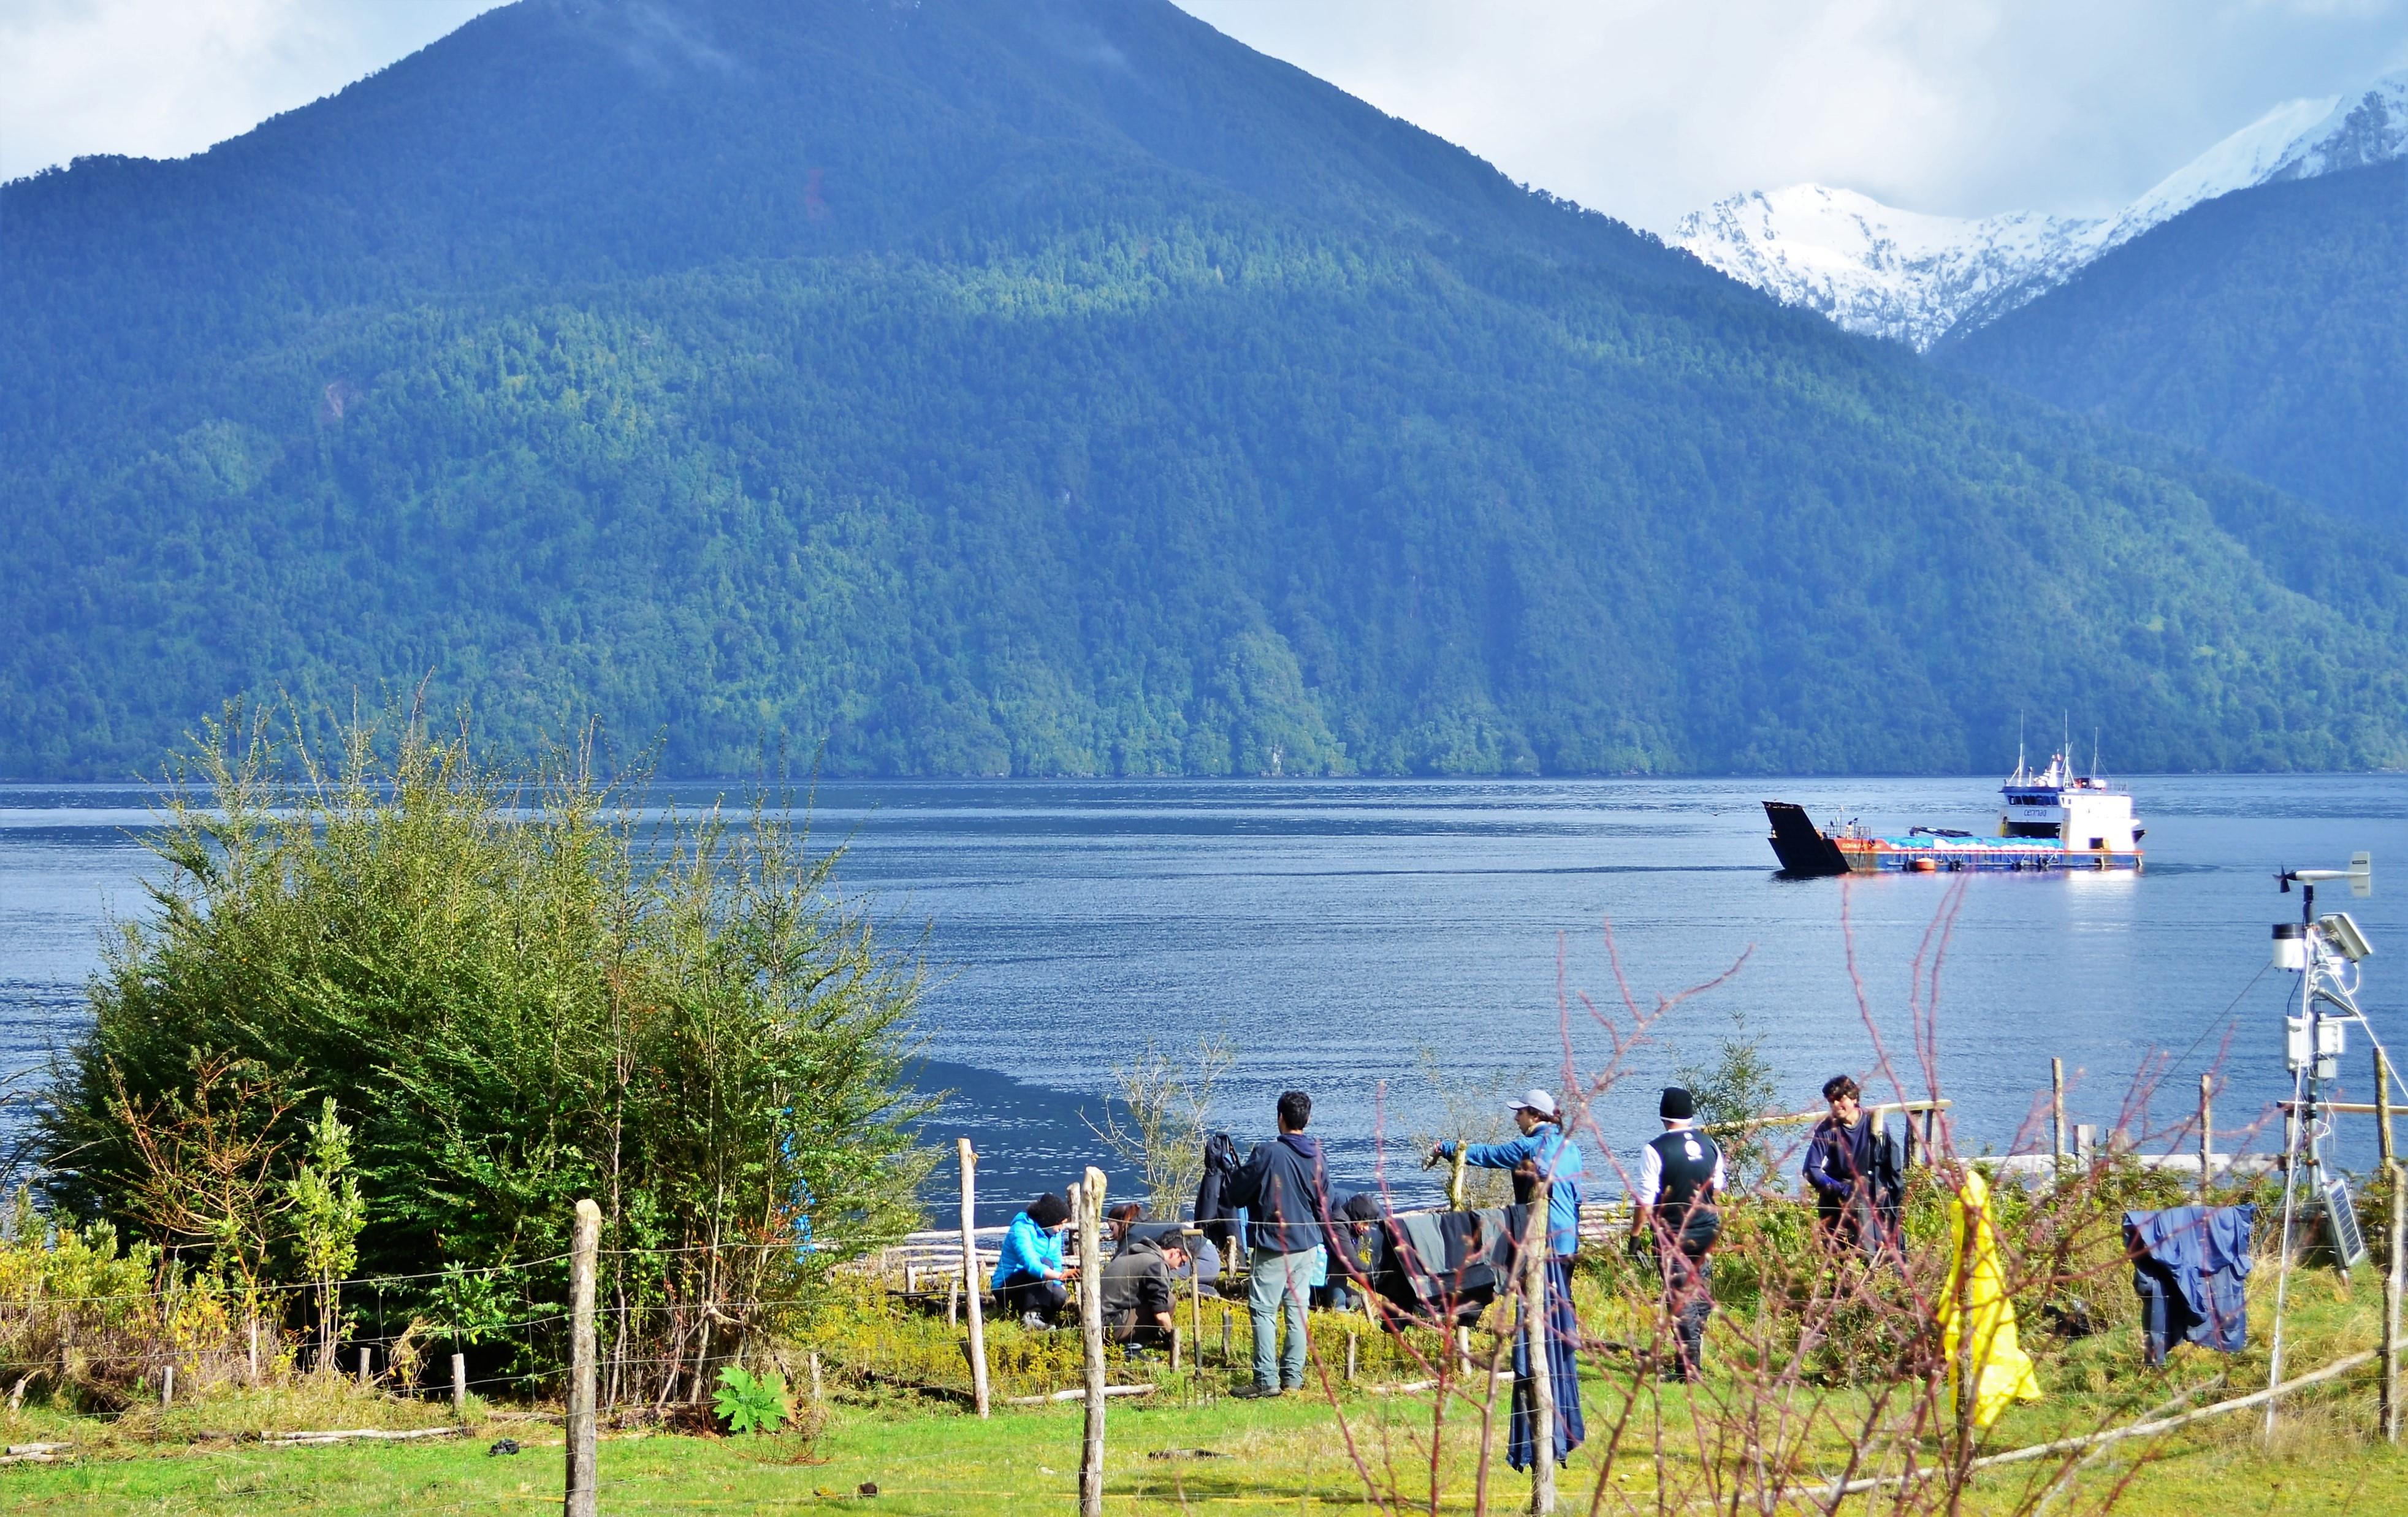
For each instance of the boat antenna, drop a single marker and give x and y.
(2094, 753)
(2019, 746)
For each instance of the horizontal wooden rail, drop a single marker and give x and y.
(1878, 1109)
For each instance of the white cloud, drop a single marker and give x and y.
(161, 79)
(1648, 108)
(1645, 108)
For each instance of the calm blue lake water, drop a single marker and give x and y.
(1336, 930)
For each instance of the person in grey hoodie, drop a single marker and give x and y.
(1285, 1188)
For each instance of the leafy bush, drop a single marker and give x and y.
(753, 1404)
(517, 992)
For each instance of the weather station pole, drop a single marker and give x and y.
(2311, 948)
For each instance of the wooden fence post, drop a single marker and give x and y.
(2206, 1131)
(1538, 1336)
(1195, 1307)
(254, 1349)
(970, 1277)
(1091, 1328)
(364, 1352)
(168, 1386)
(459, 1385)
(581, 1494)
(2057, 1113)
(2390, 1409)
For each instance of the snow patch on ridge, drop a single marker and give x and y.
(1913, 278)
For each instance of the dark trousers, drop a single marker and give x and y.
(1563, 1375)
(1045, 1298)
(1689, 1297)
(1136, 1334)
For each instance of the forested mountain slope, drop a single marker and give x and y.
(2269, 327)
(1053, 387)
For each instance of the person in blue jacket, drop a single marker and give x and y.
(1852, 1174)
(1029, 1272)
(1542, 1152)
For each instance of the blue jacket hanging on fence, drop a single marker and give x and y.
(1549, 1154)
(2190, 1269)
(1028, 1253)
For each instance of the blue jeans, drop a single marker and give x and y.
(1276, 1285)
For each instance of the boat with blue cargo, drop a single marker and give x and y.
(2049, 822)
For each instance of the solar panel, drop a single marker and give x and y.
(2340, 1224)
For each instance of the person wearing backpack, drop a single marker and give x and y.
(1285, 1188)
(1673, 1210)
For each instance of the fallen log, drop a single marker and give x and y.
(1075, 1394)
(345, 1435)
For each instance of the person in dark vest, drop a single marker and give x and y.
(1673, 1210)
(1853, 1173)
(1286, 1191)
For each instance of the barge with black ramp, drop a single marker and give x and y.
(2049, 822)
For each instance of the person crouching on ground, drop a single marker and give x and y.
(1673, 1210)
(1542, 1152)
(1029, 1270)
(1852, 1174)
(1285, 1188)
(1141, 1289)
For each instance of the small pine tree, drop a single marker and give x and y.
(328, 1213)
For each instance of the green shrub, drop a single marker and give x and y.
(519, 989)
(753, 1404)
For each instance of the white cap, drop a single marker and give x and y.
(1538, 1101)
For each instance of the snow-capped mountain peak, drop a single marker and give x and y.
(1914, 277)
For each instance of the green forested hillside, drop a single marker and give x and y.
(2268, 327)
(1054, 388)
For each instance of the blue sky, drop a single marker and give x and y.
(1642, 109)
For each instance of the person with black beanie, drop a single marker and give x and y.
(1029, 1270)
(1680, 1175)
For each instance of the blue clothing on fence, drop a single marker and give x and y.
(1029, 1252)
(1562, 1334)
(1556, 1158)
(2190, 1269)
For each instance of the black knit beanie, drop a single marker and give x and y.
(1676, 1105)
(1049, 1210)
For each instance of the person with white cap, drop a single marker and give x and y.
(1542, 1152)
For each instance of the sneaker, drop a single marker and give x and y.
(1256, 1392)
(1031, 1319)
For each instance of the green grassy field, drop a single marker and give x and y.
(1192, 1448)
(1284, 1457)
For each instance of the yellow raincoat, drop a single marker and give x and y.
(2006, 1371)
